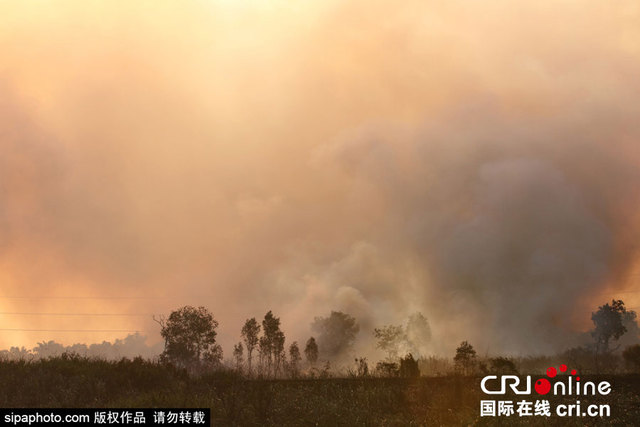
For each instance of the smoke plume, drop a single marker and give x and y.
(473, 161)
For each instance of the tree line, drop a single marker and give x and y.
(190, 342)
(611, 322)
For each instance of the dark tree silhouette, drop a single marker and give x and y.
(311, 351)
(609, 324)
(278, 351)
(250, 332)
(264, 350)
(294, 358)
(336, 333)
(465, 357)
(271, 344)
(190, 337)
(238, 352)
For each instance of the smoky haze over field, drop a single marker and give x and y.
(474, 161)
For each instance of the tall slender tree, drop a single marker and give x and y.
(238, 351)
(278, 351)
(250, 332)
(294, 358)
(271, 343)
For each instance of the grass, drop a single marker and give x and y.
(71, 381)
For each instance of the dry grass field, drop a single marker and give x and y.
(71, 381)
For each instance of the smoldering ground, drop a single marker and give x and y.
(476, 162)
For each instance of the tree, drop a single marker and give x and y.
(631, 357)
(278, 351)
(238, 351)
(264, 350)
(336, 333)
(609, 324)
(465, 357)
(410, 338)
(389, 338)
(294, 358)
(250, 332)
(311, 351)
(190, 337)
(271, 344)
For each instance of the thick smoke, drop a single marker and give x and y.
(473, 161)
(512, 237)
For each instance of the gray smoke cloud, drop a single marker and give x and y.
(511, 225)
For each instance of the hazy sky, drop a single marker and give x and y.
(474, 160)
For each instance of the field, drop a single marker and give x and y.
(71, 381)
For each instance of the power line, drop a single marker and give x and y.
(69, 330)
(80, 297)
(76, 314)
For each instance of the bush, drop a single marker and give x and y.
(409, 367)
(387, 369)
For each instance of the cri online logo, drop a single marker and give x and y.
(543, 386)
(489, 384)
